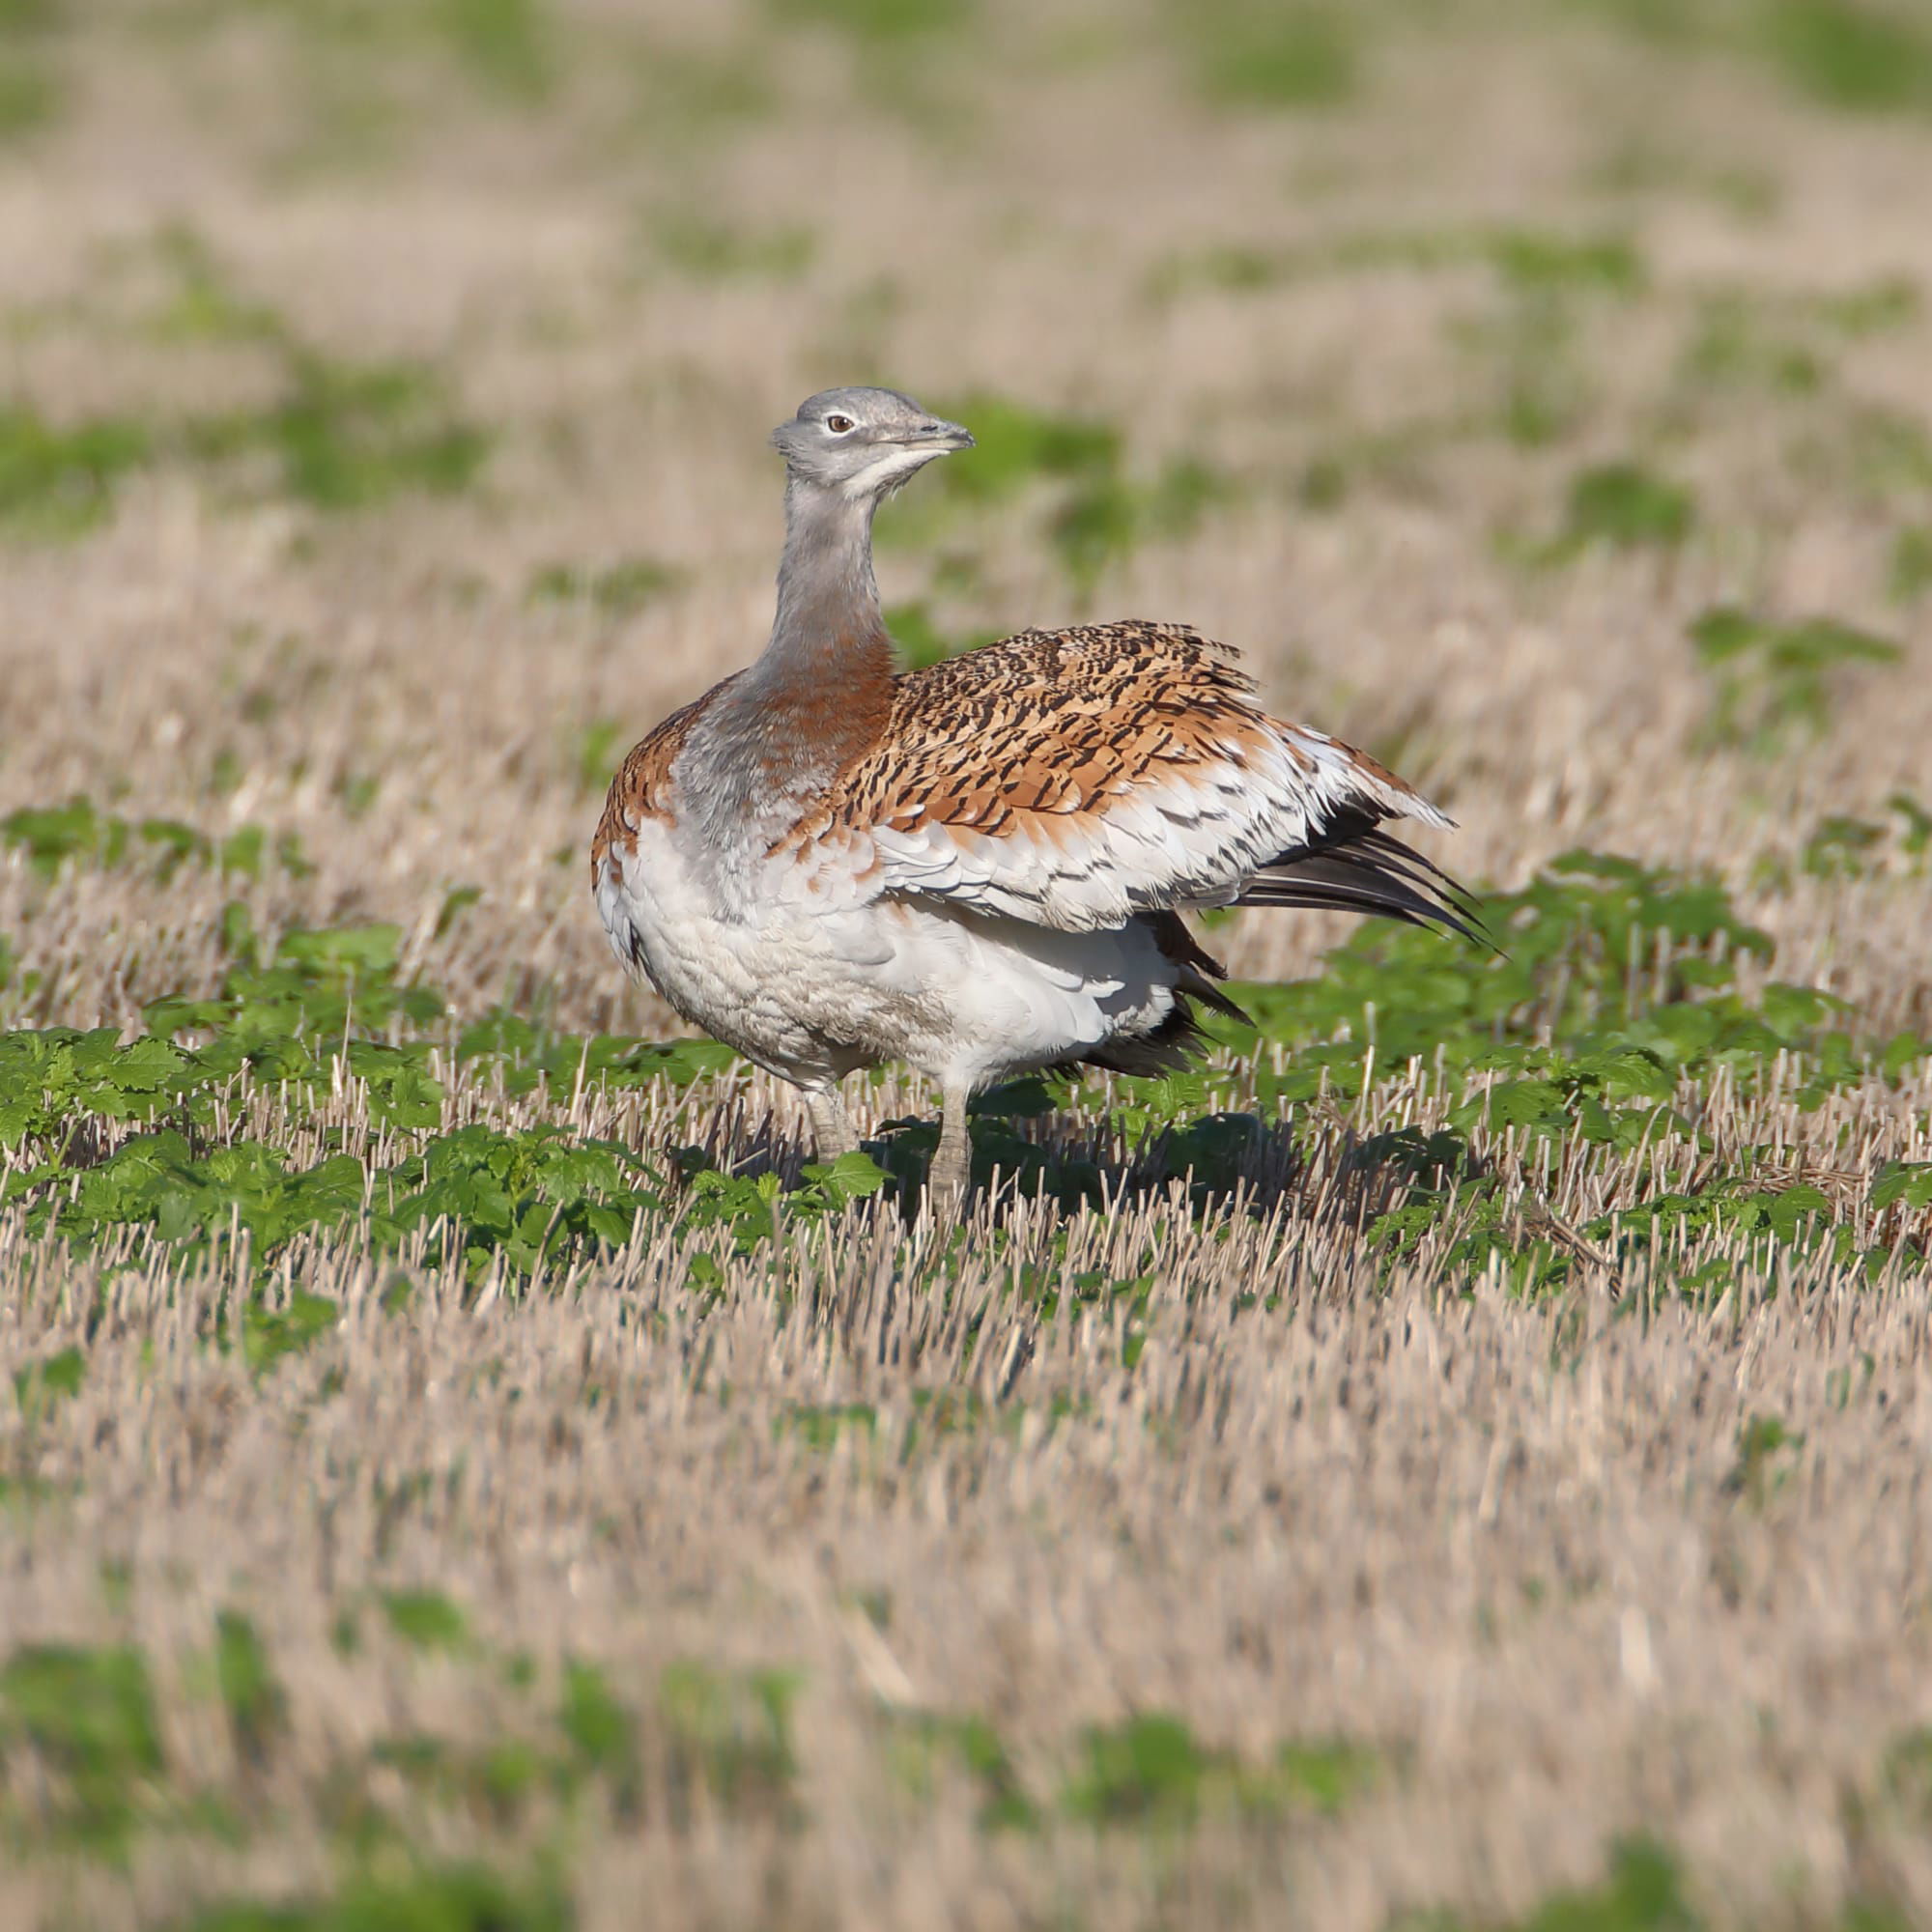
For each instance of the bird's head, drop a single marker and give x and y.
(864, 442)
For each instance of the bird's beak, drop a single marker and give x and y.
(945, 437)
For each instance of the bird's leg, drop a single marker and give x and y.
(831, 1127)
(952, 1164)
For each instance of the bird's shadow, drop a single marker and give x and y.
(1316, 1166)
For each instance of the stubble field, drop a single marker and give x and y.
(1461, 1460)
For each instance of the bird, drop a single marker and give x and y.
(978, 867)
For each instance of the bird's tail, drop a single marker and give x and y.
(1352, 867)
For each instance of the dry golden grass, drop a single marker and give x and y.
(1527, 1558)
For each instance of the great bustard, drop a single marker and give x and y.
(978, 867)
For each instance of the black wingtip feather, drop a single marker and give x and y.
(1423, 872)
(1371, 872)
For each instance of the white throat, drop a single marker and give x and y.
(889, 469)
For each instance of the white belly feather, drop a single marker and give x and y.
(813, 995)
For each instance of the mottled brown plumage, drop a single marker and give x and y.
(1075, 778)
(641, 790)
(1050, 724)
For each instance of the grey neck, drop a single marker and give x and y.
(818, 694)
(827, 592)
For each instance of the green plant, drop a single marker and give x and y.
(52, 836)
(1151, 1770)
(204, 306)
(1742, 339)
(599, 749)
(435, 1898)
(60, 481)
(1627, 506)
(917, 637)
(426, 1620)
(1299, 55)
(1017, 445)
(1105, 518)
(1910, 574)
(251, 1694)
(730, 1733)
(87, 1716)
(1642, 1892)
(1859, 55)
(1620, 985)
(32, 95)
(1768, 679)
(509, 46)
(924, 1744)
(349, 435)
(886, 21)
(1844, 847)
(1758, 1471)
(1545, 262)
(1098, 511)
(41, 1387)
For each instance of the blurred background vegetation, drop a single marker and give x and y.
(1028, 209)
(1541, 395)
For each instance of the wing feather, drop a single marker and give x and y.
(1077, 778)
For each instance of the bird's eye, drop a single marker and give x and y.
(838, 425)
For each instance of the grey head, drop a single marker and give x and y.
(864, 442)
